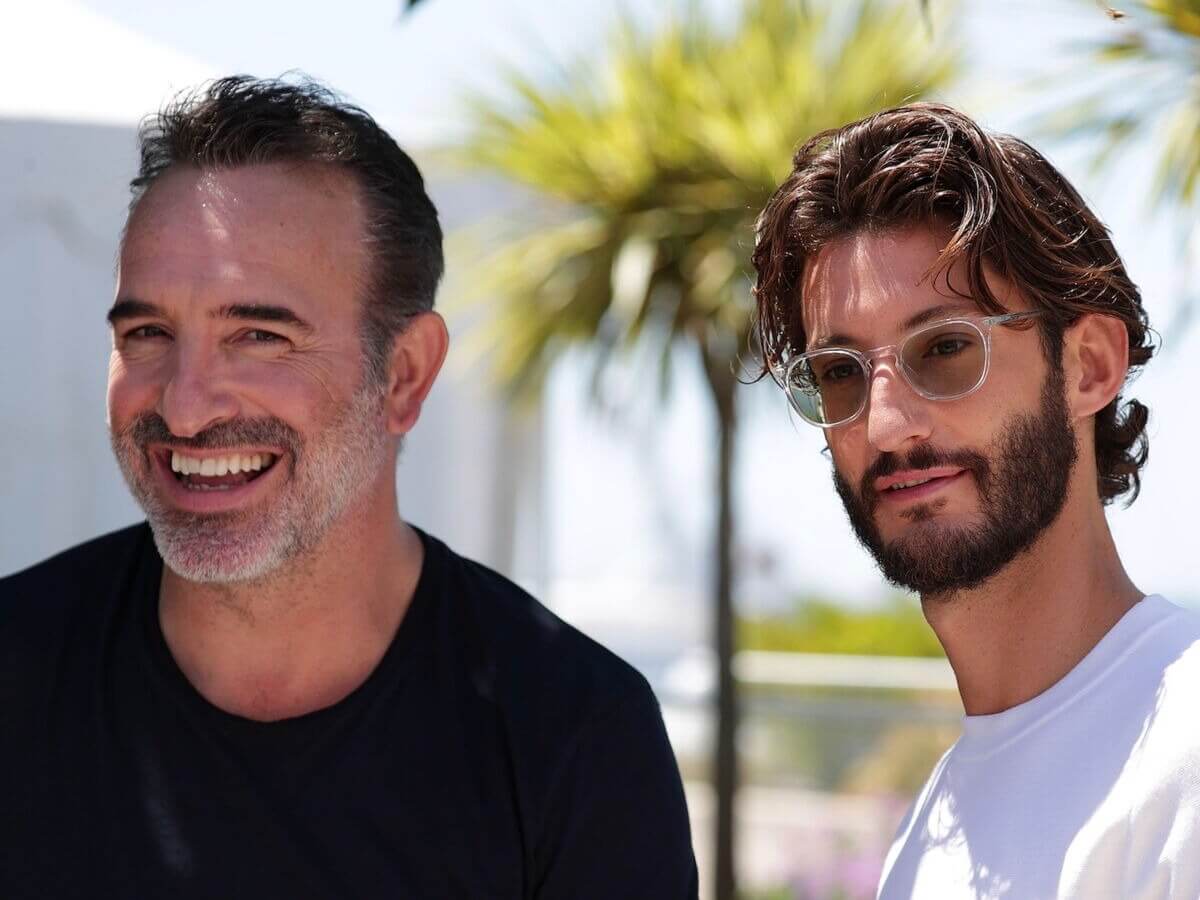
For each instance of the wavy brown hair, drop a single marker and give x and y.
(1005, 206)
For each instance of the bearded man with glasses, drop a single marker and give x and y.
(943, 304)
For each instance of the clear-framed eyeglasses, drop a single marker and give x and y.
(942, 361)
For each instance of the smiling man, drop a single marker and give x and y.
(943, 304)
(276, 687)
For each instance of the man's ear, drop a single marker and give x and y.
(417, 356)
(1096, 360)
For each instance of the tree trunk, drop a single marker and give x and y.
(722, 383)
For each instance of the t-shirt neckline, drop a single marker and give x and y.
(984, 735)
(406, 646)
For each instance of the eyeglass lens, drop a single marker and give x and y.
(939, 362)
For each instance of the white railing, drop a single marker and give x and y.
(772, 669)
(693, 677)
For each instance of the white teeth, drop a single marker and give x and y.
(908, 484)
(221, 465)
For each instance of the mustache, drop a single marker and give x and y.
(150, 427)
(923, 456)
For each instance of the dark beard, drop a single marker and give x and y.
(1022, 488)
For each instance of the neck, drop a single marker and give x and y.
(1028, 626)
(302, 638)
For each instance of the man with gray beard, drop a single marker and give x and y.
(276, 687)
(942, 303)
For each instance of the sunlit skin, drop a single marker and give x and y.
(1025, 628)
(202, 251)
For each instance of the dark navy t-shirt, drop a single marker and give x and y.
(495, 752)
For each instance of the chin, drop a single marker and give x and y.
(222, 549)
(926, 521)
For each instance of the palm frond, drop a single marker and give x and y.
(1146, 78)
(656, 159)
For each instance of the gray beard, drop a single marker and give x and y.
(329, 472)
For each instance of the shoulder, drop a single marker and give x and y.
(54, 615)
(567, 707)
(583, 739)
(85, 570)
(907, 843)
(1169, 648)
(1162, 790)
(1168, 661)
(526, 646)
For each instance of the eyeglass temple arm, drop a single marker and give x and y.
(1012, 317)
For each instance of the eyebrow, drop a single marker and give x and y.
(251, 312)
(929, 314)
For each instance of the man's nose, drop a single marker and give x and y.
(197, 394)
(896, 414)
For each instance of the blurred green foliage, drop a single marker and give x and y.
(652, 164)
(1143, 84)
(896, 628)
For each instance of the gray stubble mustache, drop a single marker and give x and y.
(150, 428)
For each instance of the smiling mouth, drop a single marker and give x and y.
(919, 487)
(914, 483)
(219, 473)
(917, 483)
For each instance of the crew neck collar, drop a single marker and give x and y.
(987, 734)
(405, 646)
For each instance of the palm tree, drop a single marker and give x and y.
(653, 165)
(1140, 85)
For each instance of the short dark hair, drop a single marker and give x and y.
(1004, 204)
(242, 121)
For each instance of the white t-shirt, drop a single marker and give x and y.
(1089, 791)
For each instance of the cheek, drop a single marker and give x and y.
(319, 376)
(1008, 391)
(130, 391)
(1019, 366)
(850, 452)
(294, 393)
(294, 384)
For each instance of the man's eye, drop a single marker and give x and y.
(258, 336)
(947, 346)
(839, 372)
(145, 332)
